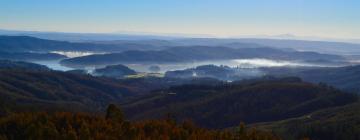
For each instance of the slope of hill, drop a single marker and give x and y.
(195, 53)
(25, 90)
(26, 56)
(249, 101)
(340, 123)
(113, 126)
(345, 78)
(210, 103)
(16, 65)
(27, 86)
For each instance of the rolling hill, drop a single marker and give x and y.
(26, 56)
(340, 123)
(26, 90)
(222, 106)
(19, 65)
(31, 87)
(114, 71)
(282, 105)
(345, 78)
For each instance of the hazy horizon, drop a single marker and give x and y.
(230, 18)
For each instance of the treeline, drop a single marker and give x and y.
(81, 126)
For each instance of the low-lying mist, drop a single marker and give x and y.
(72, 54)
(162, 68)
(235, 63)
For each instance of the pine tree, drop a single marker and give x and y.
(114, 113)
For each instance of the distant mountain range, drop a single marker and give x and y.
(24, 56)
(81, 37)
(37, 45)
(332, 46)
(300, 45)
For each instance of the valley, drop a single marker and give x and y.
(271, 90)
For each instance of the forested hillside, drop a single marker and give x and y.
(19, 65)
(50, 90)
(340, 123)
(71, 126)
(222, 106)
(27, 89)
(344, 78)
(31, 87)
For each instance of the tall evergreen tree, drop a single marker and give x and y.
(114, 113)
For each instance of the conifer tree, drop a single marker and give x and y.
(114, 113)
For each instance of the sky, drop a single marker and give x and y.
(223, 18)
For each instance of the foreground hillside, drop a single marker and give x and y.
(69, 126)
(340, 123)
(222, 106)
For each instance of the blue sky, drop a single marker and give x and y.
(323, 18)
